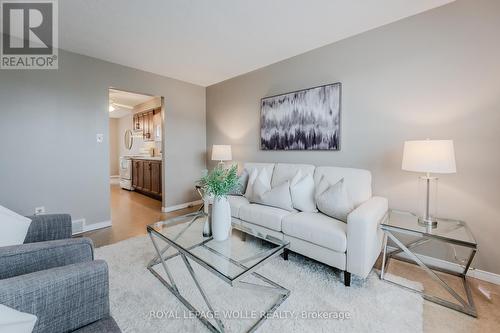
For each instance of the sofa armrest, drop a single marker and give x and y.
(364, 237)
(49, 227)
(63, 298)
(27, 258)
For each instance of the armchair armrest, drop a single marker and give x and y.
(49, 227)
(364, 237)
(63, 298)
(27, 258)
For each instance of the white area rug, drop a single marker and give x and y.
(373, 305)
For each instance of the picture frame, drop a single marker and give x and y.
(307, 119)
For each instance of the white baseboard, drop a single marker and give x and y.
(181, 206)
(94, 226)
(475, 273)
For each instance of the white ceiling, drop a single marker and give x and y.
(124, 101)
(119, 113)
(208, 41)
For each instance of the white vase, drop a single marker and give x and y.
(221, 219)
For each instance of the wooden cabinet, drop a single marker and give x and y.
(146, 177)
(156, 178)
(137, 174)
(137, 122)
(145, 122)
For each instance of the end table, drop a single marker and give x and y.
(400, 224)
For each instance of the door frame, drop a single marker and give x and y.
(163, 134)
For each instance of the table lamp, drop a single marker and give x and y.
(429, 156)
(221, 153)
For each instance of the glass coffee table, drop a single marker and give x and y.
(406, 234)
(228, 260)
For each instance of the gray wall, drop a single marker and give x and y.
(49, 121)
(435, 75)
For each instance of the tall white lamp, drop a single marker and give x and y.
(429, 156)
(221, 153)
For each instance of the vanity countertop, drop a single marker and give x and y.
(144, 157)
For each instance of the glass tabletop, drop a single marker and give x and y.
(450, 230)
(230, 259)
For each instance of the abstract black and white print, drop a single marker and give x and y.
(303, 120)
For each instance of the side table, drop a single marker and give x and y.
(400, 224)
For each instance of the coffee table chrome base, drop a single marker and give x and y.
(466, 306)
(160, 257)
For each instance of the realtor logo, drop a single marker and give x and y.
(29, 35)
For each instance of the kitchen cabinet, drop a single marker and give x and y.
(137, 122)
(156, 178)
(146, 177)
(147, 122)
(137, 174)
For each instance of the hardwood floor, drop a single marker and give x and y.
(131, 212)
(488, 309)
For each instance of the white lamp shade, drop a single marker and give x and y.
(221, 153)
(433, 156)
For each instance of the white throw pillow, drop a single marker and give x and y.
(302, 192)
(261, 185)
(251, 181)
(322, 186)
(335, 201)
(13, 227)
(15, 321)
(278, 196)
(242, 184)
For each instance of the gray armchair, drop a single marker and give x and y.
(57, 279)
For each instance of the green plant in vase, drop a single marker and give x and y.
(218, 184)
(220, 181)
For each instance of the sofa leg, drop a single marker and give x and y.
(347, 279)
(285, 254)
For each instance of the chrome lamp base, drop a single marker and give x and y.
(428, 222)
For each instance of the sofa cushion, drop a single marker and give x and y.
(318, 229)
(235, 202)
(286, 171)
(266, 216)
(357, 181)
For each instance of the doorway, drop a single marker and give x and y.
(136, 172)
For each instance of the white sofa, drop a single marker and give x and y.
(352, 247)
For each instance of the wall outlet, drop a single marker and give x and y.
(39, 210)
(100, 138)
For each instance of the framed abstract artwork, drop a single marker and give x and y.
(306, 119)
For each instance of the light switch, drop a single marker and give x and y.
(100, 138)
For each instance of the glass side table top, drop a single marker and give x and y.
(448, 230)
(230, 259)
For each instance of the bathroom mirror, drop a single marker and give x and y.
(129, 139)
